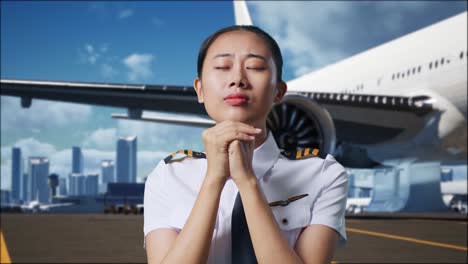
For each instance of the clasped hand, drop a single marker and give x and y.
(229, 150)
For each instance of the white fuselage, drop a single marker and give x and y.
(429, 62)
(375, 71)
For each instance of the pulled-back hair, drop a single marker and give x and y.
(269, 41)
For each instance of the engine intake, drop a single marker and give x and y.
(300, 122)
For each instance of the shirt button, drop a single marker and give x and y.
(284, 221)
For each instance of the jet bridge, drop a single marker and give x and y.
(409, 187)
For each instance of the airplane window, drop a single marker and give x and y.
(442, 61)
(408, 72)
(414, 70)
(419, 68)
(403, 75)
(435, 64)
(398, 75)
(393, 76)
(430, 65)
(461, 55)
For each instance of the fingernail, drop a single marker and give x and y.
(252, 137)
(258, 129)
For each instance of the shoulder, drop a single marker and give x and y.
(316, 162)
(178, 164)
(332, 166)
(301, 154)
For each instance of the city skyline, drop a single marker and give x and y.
(33, 184)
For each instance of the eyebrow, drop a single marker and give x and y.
(250, 55)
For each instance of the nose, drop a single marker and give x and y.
(238, 78)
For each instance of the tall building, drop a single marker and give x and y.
(107, 171)
(77, 184)
(5, 197)
(24, 190)
(77, 160)
(53, 184)
(16, 175)
(63, 187)
(92, 184)
(126, 160)
(38, 170)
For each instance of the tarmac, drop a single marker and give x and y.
(118, 238)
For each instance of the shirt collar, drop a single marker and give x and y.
(265, 156)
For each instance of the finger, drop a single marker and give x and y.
(241, 127)
(230, 136)
(237, 124)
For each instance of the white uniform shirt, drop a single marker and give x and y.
(171, 190)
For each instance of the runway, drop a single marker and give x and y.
(384, 238)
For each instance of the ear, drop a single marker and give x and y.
(198, 89)
(282, 89)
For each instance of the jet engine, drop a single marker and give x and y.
(300, 122)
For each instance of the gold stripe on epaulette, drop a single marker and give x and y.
(298, 154)
(315, 152)
(187, 152)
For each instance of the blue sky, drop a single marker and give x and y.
(157, 43)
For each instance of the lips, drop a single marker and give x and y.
(236, 99)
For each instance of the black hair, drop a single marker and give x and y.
(271, 43)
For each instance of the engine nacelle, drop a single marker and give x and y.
(300, 122)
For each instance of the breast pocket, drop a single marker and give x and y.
(291, 219)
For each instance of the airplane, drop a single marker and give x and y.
(402, 101)
(32, 207)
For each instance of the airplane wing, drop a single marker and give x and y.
(154, 102)
(165, 98)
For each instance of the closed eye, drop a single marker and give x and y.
(256, 68)
(221, 68)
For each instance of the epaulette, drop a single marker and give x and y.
(187, 152)
(303, 153)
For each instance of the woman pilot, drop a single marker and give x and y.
(243, 200)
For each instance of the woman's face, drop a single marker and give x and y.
(239, 79)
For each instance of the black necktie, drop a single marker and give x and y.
(242, 248)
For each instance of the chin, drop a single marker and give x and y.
(238, 118)
(239, 115)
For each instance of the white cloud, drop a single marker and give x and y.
(103, 138)
(302, 28)
(41, 115)
(91, 54)
(125, 13)
(139, 66)
(313, 34)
